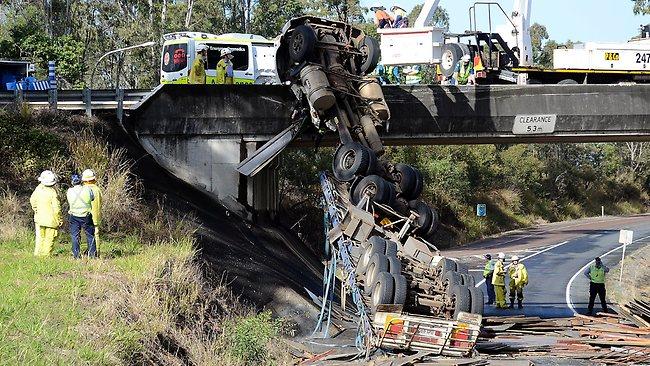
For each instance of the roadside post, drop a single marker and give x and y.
(625, 238)
(52, 92)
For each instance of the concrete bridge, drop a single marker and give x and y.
(201, 133)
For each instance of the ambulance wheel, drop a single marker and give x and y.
(568, 82)
(301, 43)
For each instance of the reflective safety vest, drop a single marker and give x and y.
(464, 71)
(197, 72)
(80, 199)
(96, 205)
(499, 275)
(596, 274)
(224, 72)
(489, 268)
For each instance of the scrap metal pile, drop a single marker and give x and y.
(607, 339)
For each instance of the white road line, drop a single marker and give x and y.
(567, 293)
(530, 256)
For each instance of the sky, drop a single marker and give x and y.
(577, 20)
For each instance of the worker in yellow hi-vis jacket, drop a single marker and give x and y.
(499, 282)
(518, 280)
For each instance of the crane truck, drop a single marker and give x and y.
(505, 53)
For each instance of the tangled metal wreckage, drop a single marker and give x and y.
(405, 294)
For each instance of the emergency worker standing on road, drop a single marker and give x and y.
(499, 282)
(225, 67)
(488, 272)
(518, 279)
(90, 181)
(197, 72)
(47, 213)
(80, 202)
(596, 275)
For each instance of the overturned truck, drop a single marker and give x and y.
(379, 229)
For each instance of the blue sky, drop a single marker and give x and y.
(578, 20)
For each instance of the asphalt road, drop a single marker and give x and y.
(555, 256)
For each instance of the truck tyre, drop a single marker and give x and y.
(394, 266)
(467, 280)
(401, 288)
(451, 278)
(350, 160)
(425, 218)
(476, 300)
(462, 268)
(451, 54)
(372, 136)
(391, 248)
(379, 190)
(301, 43)
(370, 54)
(376, 244)
(401, 206)
(378, 264)
(461, 300)
(568, 82)
(383, 290)
(435, 224)
(409, 181)
(447, 265)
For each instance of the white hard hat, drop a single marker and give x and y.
(87, 175)
(501, 256)
(201, 48)
(465, 58)
(48, 178)
(514, 258)
(392, 8)
(225, 51)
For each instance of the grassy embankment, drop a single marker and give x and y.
(636, 278)
(148, 300)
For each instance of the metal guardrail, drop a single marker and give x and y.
(80, 100)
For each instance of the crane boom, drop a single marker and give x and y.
(426, 14)
(521, 19)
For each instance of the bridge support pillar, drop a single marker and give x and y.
(209, 162)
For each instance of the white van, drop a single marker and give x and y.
(253, 61)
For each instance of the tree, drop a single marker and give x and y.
(641, 7)
(440, 16)
(538, 34)
(270, 15)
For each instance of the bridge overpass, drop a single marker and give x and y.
(202, 132)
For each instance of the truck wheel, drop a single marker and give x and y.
(451, 54)
(568, 82)
(467, 280)
(476, 300)
(350, 160)
(447, 265)
(461, 300)
(401, 288)
(409, 181)
(372, 136)
(376, 187)
(378, 264)
(423, 222)
(452, 279)
(370, 54)
(391, 248)
(401, 206)
(383, 290)
(301, 43)
(461, 268)
(376, 244)
(435, 224)
(394, 266)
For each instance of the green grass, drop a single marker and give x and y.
(47, 302)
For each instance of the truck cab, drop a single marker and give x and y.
(253, 62)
